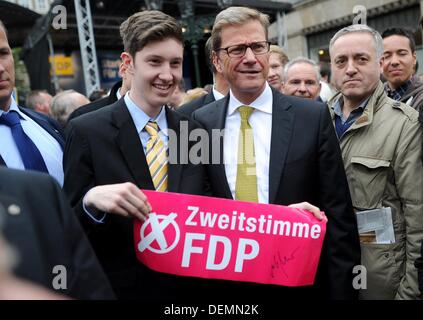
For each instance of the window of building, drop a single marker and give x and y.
(41, 5)
(24, 3)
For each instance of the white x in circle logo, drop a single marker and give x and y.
(157, 233)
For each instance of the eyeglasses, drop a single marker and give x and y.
(238, 50)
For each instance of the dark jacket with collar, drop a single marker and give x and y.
(103, 147)
(100, 103)
(48, 124)
(305, 165)
(45, 233)
(414, 95)
(190, 107)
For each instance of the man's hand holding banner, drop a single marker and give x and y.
(215, 238)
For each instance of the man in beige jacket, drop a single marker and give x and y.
(381, 146)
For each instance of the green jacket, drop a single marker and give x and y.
(382, 159)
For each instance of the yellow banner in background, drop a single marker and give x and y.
(62, 65)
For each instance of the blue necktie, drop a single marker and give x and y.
(31, 156)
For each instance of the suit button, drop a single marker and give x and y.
(14, 210)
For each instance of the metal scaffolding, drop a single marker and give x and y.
(87, 44)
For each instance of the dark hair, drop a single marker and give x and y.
(397, 31)
(97, 95)
(148, 26)
(181, 85)
(208, 51)
(3, 27)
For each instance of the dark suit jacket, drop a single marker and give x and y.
(190, 107)
(48, 124)
(305, 165)
(103, 147)
(46, 233)
(98, 104)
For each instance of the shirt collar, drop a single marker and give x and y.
(398, 92)
(13, 107)
(337, 107)
(141, 119)
(118, 95)
(217, 95)
(264, 101)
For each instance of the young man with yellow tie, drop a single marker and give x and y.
(114, 152)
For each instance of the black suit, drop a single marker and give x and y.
(48, 124)
(103, 147)
(47, 234)
(98, 104)
(190, 107)
(305, 165)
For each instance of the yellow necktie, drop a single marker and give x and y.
(156, 155)
(246, 177)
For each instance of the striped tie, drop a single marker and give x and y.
(156, 155)
(246, 177)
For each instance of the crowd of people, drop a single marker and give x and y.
(343, 145)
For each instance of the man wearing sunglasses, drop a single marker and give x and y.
(277, 149)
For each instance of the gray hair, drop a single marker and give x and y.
(33, 98)
(64, 103)
(377, 39)
(236, 16)
(301, 60)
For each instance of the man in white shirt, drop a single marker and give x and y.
(292, 155)
(29, 140)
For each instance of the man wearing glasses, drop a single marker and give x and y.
(279, 150)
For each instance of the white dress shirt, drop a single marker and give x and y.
(261, 123)
(47, 145)
(118, 95)
(217, 95)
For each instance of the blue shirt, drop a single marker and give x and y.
(396, 94)
(341, 122)
(140, 119)
(47, 145)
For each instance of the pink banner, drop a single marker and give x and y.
(232, 240)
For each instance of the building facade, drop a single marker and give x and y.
(311, 24)
(39, 6)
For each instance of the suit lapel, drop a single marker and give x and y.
(218, 120)
(128, 141)
(2, 163)
(282, 123)
(175, 167)
(55, 132)
(209, 98)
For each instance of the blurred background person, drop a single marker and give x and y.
(97, 95)
(277, 60)
(301, 78)
(194, 94)
(326, 90)
(40, 101)
(65, 103)
(219, 90)
(118, 90)
(399, 66)
(177, 97)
